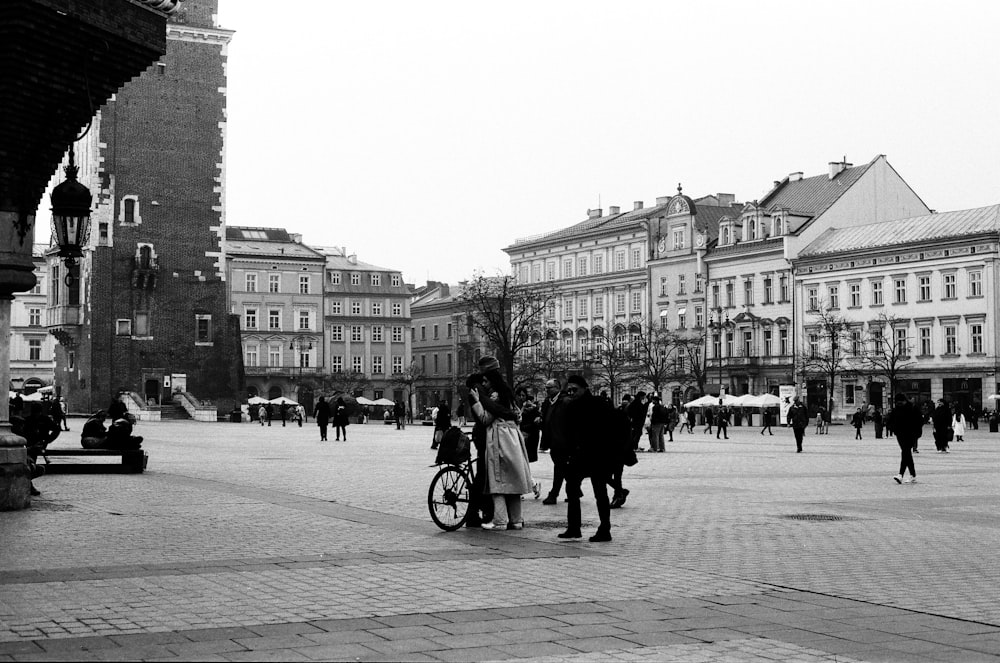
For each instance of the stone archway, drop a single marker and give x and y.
(274, 392)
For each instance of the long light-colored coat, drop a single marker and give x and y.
(507, 469)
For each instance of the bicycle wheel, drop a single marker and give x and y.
(448, 498)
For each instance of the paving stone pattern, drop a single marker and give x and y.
(244, 542)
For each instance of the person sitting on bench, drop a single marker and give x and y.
(117, 437)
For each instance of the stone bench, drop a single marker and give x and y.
(132, 460)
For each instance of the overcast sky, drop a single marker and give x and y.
(427, 136)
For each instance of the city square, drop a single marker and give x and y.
(243, 542)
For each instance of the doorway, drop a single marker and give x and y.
(151, 392)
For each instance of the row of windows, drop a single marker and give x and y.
(753, 229)
(141, 326)
(336, 278)
(274, 283)
(774, 291)
(580, 307)
(923, 344)
(252, 357)
(566, 268)
(435, 365)
(305, 319)
(356, 333)
(774, 343)
(682, 284)
(948, 289)
(435, 331)
(375, 308)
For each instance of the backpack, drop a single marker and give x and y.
(454, 447)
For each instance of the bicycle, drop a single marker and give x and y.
(449, 497)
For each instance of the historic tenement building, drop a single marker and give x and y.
(31, 346)
(147, 313)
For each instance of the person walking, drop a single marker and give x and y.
(63, 414)
(399, 414)
(658, 418)
(766, 419)
(340, 421)
(957, 424)
(508, 474)
(672, 419)
(637, 416)
(691, 416)
(722, 422)
(941, 418)
(907, 423)
(858, 421)
(879, 420)
(709, 418)
(819, 420)
(554, 437)
(322, 416)
(798, 419)
(283, 411)
(589, 427)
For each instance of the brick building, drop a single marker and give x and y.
(147, 311)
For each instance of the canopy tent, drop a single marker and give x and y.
(709, 401)
(767, 400)
(994, 397)
(746, 400)
(281, 400)
(256, 400)
(383, 401)
(365, 401)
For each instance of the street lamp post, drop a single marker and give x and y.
(301, 344)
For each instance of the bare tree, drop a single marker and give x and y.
(544, 361)
(407, 380)
(507, 312)
(883, 353)
(658, 354)
(693, 359)
(344, 381)
(821, 353)
(613, 360)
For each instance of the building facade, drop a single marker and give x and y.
(146, 312)
(276, 289)
(32, 365)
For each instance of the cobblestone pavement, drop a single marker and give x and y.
(243, 542)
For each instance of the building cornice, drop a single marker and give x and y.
(198, 34)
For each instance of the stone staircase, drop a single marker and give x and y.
(172, 411)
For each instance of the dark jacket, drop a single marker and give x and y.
(322, 413)
(595, 434)
(941, 418)
(553, 425)
(906, 421)
(798, 415)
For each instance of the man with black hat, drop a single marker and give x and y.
(590, 451)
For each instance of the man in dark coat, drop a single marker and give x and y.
(399, 414)
(798, 419)
(941, 418)
(637, 415)
(554, 437)
(589, 421)
(907, 422)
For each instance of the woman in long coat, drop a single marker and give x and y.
(508, 475)
(322, 415)
(340, 420)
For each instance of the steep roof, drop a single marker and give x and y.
(266, 242)
(811, 196)
(926, 228)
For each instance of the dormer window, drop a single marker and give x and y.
(751, 229)
(724, 234)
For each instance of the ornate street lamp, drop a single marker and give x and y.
(71, 215)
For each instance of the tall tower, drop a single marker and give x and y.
(151, 294)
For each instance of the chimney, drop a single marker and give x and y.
(614, 209)
(663, 200)
(777, 183)
(637, 205)
(594, 213)
(726, 199)
(837, 167)
(795, 177)
(295, 237)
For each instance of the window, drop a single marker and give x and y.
(536, 273)
(395, 280)
(355, 307)
(812, 295)
(768, 339)
(423, 333)
(925, 341)
(950, 339)
(730, 287)
(783, 341)
(729, 344)
(783, 287)
(582, 307)
(663, 286)
(855, 294)
(130, 210)
(123, 327)
(748, 344)
(899, 288)
(355, 278)
(378, 366)
(358, 364)
(304, 355)
(598, 264)
(620, 302)
(336, 307)
(748, 292)
(436, 368)
(142, 323)
(568, 308)
(877, 293)
(357, 333)
(397, 364)
(376, 308)
(335, 278)
(250, 318)
(681, 286)
(636, 258)
(250, 357)
(54, 285)
(975, 284)
(715, 295)
(337, 333)
(833, 293)
(34, 349)
(376, 279)
(274, 282)
(337, 364)
(923, 289)
(550, 311)
(813, 345)
(397, 309)
(37, 289)
(599, 306)
(699, 317)
(274, 319)
(716, 345)
(397, 334)
(699, 283)
(251, 283)
(637, 301)
(305, 320)
(203, 328)
(950, 286)
(856, 343)
(678, 238)
(768, 290)
(902, 343)
(619, 261)
(567, 268)
(304, 284)
(581, 267)
(274, 355)
(34, 317)
(448, 330)
(976, 338)
(550, 271)
(437, 329)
